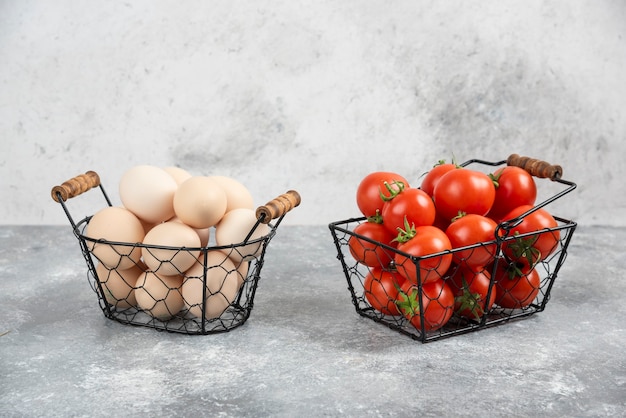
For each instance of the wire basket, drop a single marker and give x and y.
(217, 297)
(544, 273)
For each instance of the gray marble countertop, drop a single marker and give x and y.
(304, 351)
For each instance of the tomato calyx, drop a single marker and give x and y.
(393, 192)
(523, 249)
(458, 216)
(495, 178)
(405, 234)
(408, 302)
(513, 271)
(470, 301)
(375, 219)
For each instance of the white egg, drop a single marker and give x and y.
(203, 233)
(175, 260)
(119, 285)
(233, 229)
(222, 285)
(119, 225)
(200, 202)
(179, 174)
(148, 192)
(159, 295)
(237, 195)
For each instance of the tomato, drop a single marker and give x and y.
(381, 290)
(432, 177)
(368, 253)
(437, 304)
(368, 194)
(410, 205)
(471, 229)
(514, 187)
(470, 290)
(464, 190)
(517, 285)
(536, 247)
(423, 241)
(440, 222)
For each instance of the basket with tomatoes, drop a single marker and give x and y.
(472, 246)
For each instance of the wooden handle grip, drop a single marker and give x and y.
(536, 167)
(75, 186)
(278, 206)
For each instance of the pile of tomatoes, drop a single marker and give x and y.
(449, 225)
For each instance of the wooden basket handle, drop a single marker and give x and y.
(278, 206)
(75, 186)
(536, 167)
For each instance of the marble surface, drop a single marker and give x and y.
(304, 351)
(292, 94)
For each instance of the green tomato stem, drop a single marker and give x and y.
(393, 192)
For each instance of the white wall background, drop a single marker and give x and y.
(310, 95)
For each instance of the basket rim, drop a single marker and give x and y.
(82, 224)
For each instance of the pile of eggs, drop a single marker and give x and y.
(175, 215)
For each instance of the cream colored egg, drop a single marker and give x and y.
(222, 286)
(119, 285)
(175, 260)
(233, 229)
(119, 225)
(203, 233)
(200, 202)
(159, 295)
(148, 192)
(179, 174)
(237, 195)
(242, 271)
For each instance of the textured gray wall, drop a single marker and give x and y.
(308, 95)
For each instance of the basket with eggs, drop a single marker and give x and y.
(182, 253)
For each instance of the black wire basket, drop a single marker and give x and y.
(217, 298)
(500, 311)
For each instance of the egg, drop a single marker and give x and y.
(179, 174)
(119, 285)
(233, 229)
(222, 285)
(159, 295)
(170, 261)
(148, 192)
(242, 271)
(117, 224)
(203, 233)
(200, 202)
(237, 195)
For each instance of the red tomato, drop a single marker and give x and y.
(536, 247)
(423, 241)
(440, 222)
(432, 177)
(469, 230)
(369, 253)
(381, 290)
(370, 188)
(410, 205)
(516, 286)
(470, 290)
(437, 302)
(514, 187)
(464, 190)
